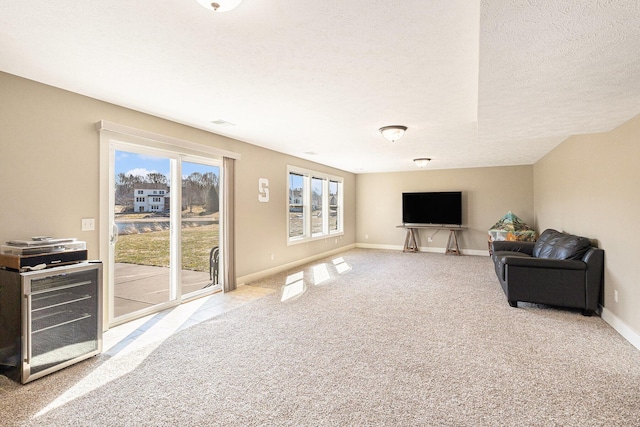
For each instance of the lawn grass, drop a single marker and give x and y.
(152, 248)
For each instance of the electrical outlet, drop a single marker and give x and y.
(430, 239)
(88, 224)
(615, 295)
(366, 236)
(272, 257)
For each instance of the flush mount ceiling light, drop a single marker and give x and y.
(393, 133)
(422, 161)
(219, 5)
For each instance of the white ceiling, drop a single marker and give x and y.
(478, 83)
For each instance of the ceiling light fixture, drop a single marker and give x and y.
(393, 133)
(219, 5)
(422, 161)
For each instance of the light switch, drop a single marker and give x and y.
(88, 224)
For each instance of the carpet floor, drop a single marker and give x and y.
(367, 337)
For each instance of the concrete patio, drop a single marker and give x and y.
(141, 286)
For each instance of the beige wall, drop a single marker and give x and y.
(588, 186)
(49, 157)
(262, 227)
(487, 194)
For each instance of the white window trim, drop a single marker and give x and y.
(163, 142)
(308, 236)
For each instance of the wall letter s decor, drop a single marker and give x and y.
(263, 190)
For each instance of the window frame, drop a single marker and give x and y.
(308, 176)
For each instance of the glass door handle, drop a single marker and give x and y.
(113, 239)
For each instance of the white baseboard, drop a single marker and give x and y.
(284, 267)
(622, 328)
(374, 246)
(475, 252)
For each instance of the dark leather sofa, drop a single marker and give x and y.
(559, 269)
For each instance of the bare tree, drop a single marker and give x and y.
(156, 178)
(213, 199)
(125, 184)
(210, 183)
(193, 188)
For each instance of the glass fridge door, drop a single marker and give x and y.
(64, 318)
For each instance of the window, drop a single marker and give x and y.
(317, 219)
(296, 205)
(315, 205)
(334, 207)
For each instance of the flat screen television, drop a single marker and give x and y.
(434, 208)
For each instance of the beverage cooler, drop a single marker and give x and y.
(49, 319)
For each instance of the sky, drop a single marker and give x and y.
(141, 164)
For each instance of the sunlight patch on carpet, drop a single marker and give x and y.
(292, 278)
(135, 351)
(320, 274)
(294, 286)
(341, 265)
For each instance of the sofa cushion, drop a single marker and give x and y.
(542, 244)
(553, 244)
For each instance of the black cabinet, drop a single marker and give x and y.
(49, 319)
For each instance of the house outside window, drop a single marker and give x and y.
(315, 205)
(148, 200)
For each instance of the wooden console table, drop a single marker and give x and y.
(411, 244)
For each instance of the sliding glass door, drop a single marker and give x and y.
(200, 228)
(165, 219)
(141, 232)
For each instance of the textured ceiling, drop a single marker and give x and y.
(486, 83)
